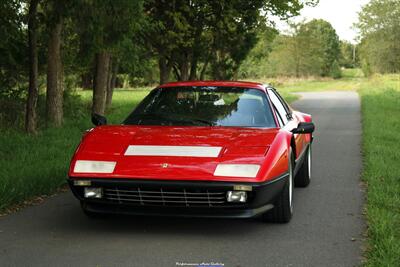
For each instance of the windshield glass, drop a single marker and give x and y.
(202, 106)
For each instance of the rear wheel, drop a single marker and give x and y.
(303, 176)
(283, 206)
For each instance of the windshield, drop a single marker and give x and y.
(202, 106)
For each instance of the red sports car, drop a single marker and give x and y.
(212, 149)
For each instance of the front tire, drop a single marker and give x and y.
(283, 206)
(303, 176)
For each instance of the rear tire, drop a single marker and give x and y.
(303, 176)
(283, 206)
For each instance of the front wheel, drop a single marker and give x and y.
(283, 206)
(303, 176)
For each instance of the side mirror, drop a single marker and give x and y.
(304, 128)
(98, 119)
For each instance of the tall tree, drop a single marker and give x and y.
(161, 31)
(379, 23)
(13, 47)
(311, 48)
(185, 34)
(324, 35)
(33, 90)
(54, 93)
(108, 23)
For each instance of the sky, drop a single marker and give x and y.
(342, 14)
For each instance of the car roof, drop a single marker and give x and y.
(216, 83)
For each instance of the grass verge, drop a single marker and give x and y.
(288, 86)
(37, 165)
(380, 100)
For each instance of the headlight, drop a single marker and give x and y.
(91, 166)
(237, 170)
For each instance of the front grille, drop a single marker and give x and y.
(165, 196)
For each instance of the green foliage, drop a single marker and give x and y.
(104, 25)
(219, 34)
(233, 35)
(312, 49)
(325, 42)
(13, 47)
(108, 23)
(349, 55)
(379, 23)
(256, 63)
(335, 71)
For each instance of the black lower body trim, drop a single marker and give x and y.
(260, 199)
(175, 212)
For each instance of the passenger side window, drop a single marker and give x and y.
(281, 111)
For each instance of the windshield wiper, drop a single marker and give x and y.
(151, 116)
(210, 123)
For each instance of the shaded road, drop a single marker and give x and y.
(325, 231)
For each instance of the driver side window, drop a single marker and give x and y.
(280, 109)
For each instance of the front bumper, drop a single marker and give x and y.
(178, 198)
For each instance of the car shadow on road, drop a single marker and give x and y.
(70, 218)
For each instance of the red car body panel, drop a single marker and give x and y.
(239, 145)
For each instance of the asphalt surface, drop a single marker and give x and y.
(326, 229)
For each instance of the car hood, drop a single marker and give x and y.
(164, 152)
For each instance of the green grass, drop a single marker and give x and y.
(36, 165)
(288, 86)
(380, 97)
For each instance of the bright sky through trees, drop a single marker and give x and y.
(342, 14)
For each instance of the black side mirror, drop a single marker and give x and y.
(98, 119)
(304, 128)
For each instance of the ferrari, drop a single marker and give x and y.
(197, 148)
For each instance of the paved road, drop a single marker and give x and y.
(327, 217)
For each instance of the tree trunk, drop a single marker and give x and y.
(183, 67)
(203, 70)
(100, 82)
(31, 116)
(87, 80)
(193, 67)
(165, 69)
(111, 82)
(114, 75)
(184, 70)
(54, 96)
(195, 54)
(176, 73)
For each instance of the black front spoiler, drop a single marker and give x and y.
(261, 198)
(174, 211)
